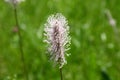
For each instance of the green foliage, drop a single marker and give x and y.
(95, 46)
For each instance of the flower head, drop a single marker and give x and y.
(57, 37)
(14, 2)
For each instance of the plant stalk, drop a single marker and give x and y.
(61, 74)
(20, 44)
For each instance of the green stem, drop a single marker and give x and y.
(61, 75)
(20, 44)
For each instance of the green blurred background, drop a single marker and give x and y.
(95, 46)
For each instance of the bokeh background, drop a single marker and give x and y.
(94, 29)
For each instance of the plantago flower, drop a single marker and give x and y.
(14, 2)
(112, 21)
(57, 37)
